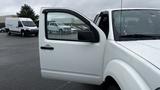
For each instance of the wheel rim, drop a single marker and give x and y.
(22, 33)
(9, 32)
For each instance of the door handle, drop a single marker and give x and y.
(47, 48)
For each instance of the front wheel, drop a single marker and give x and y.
(110, 84)
(112, 87)
(36, 34)
(9, 33)
(22, 33)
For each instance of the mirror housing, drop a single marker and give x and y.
(87, 36)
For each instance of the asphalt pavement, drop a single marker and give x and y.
(20, 67)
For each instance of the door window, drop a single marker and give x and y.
(104, 24)
(65, 26)
(19, 24)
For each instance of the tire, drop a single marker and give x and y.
(22, 33)
(36, 34)
(112, 87)
(110, 84)
(9, 32)
(60, 30)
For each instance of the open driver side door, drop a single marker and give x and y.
(74, 51)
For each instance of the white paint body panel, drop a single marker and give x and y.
(149, 50)
(133, 64)
(12, 23)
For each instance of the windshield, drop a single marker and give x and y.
(28, 23)
(127, 23)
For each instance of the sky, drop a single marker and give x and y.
(87, 7)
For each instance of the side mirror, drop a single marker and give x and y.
(87, 36)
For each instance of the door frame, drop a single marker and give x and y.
(95, 32)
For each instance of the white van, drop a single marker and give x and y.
(120, 49)
(21, 26)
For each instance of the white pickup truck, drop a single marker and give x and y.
(120, 49)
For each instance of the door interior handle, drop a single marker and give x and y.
(47, 47)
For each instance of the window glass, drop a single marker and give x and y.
(137, 22)
(64, 26)
(104, 24)
(29, 23)
(19, 24)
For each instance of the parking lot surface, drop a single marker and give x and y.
(20, 67)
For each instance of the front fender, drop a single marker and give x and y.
(126, 77)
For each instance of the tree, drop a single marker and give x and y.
(27, 12)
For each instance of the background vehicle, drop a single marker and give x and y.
(21, 26)
(54, 27)
(122, 50)
(3, 29)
